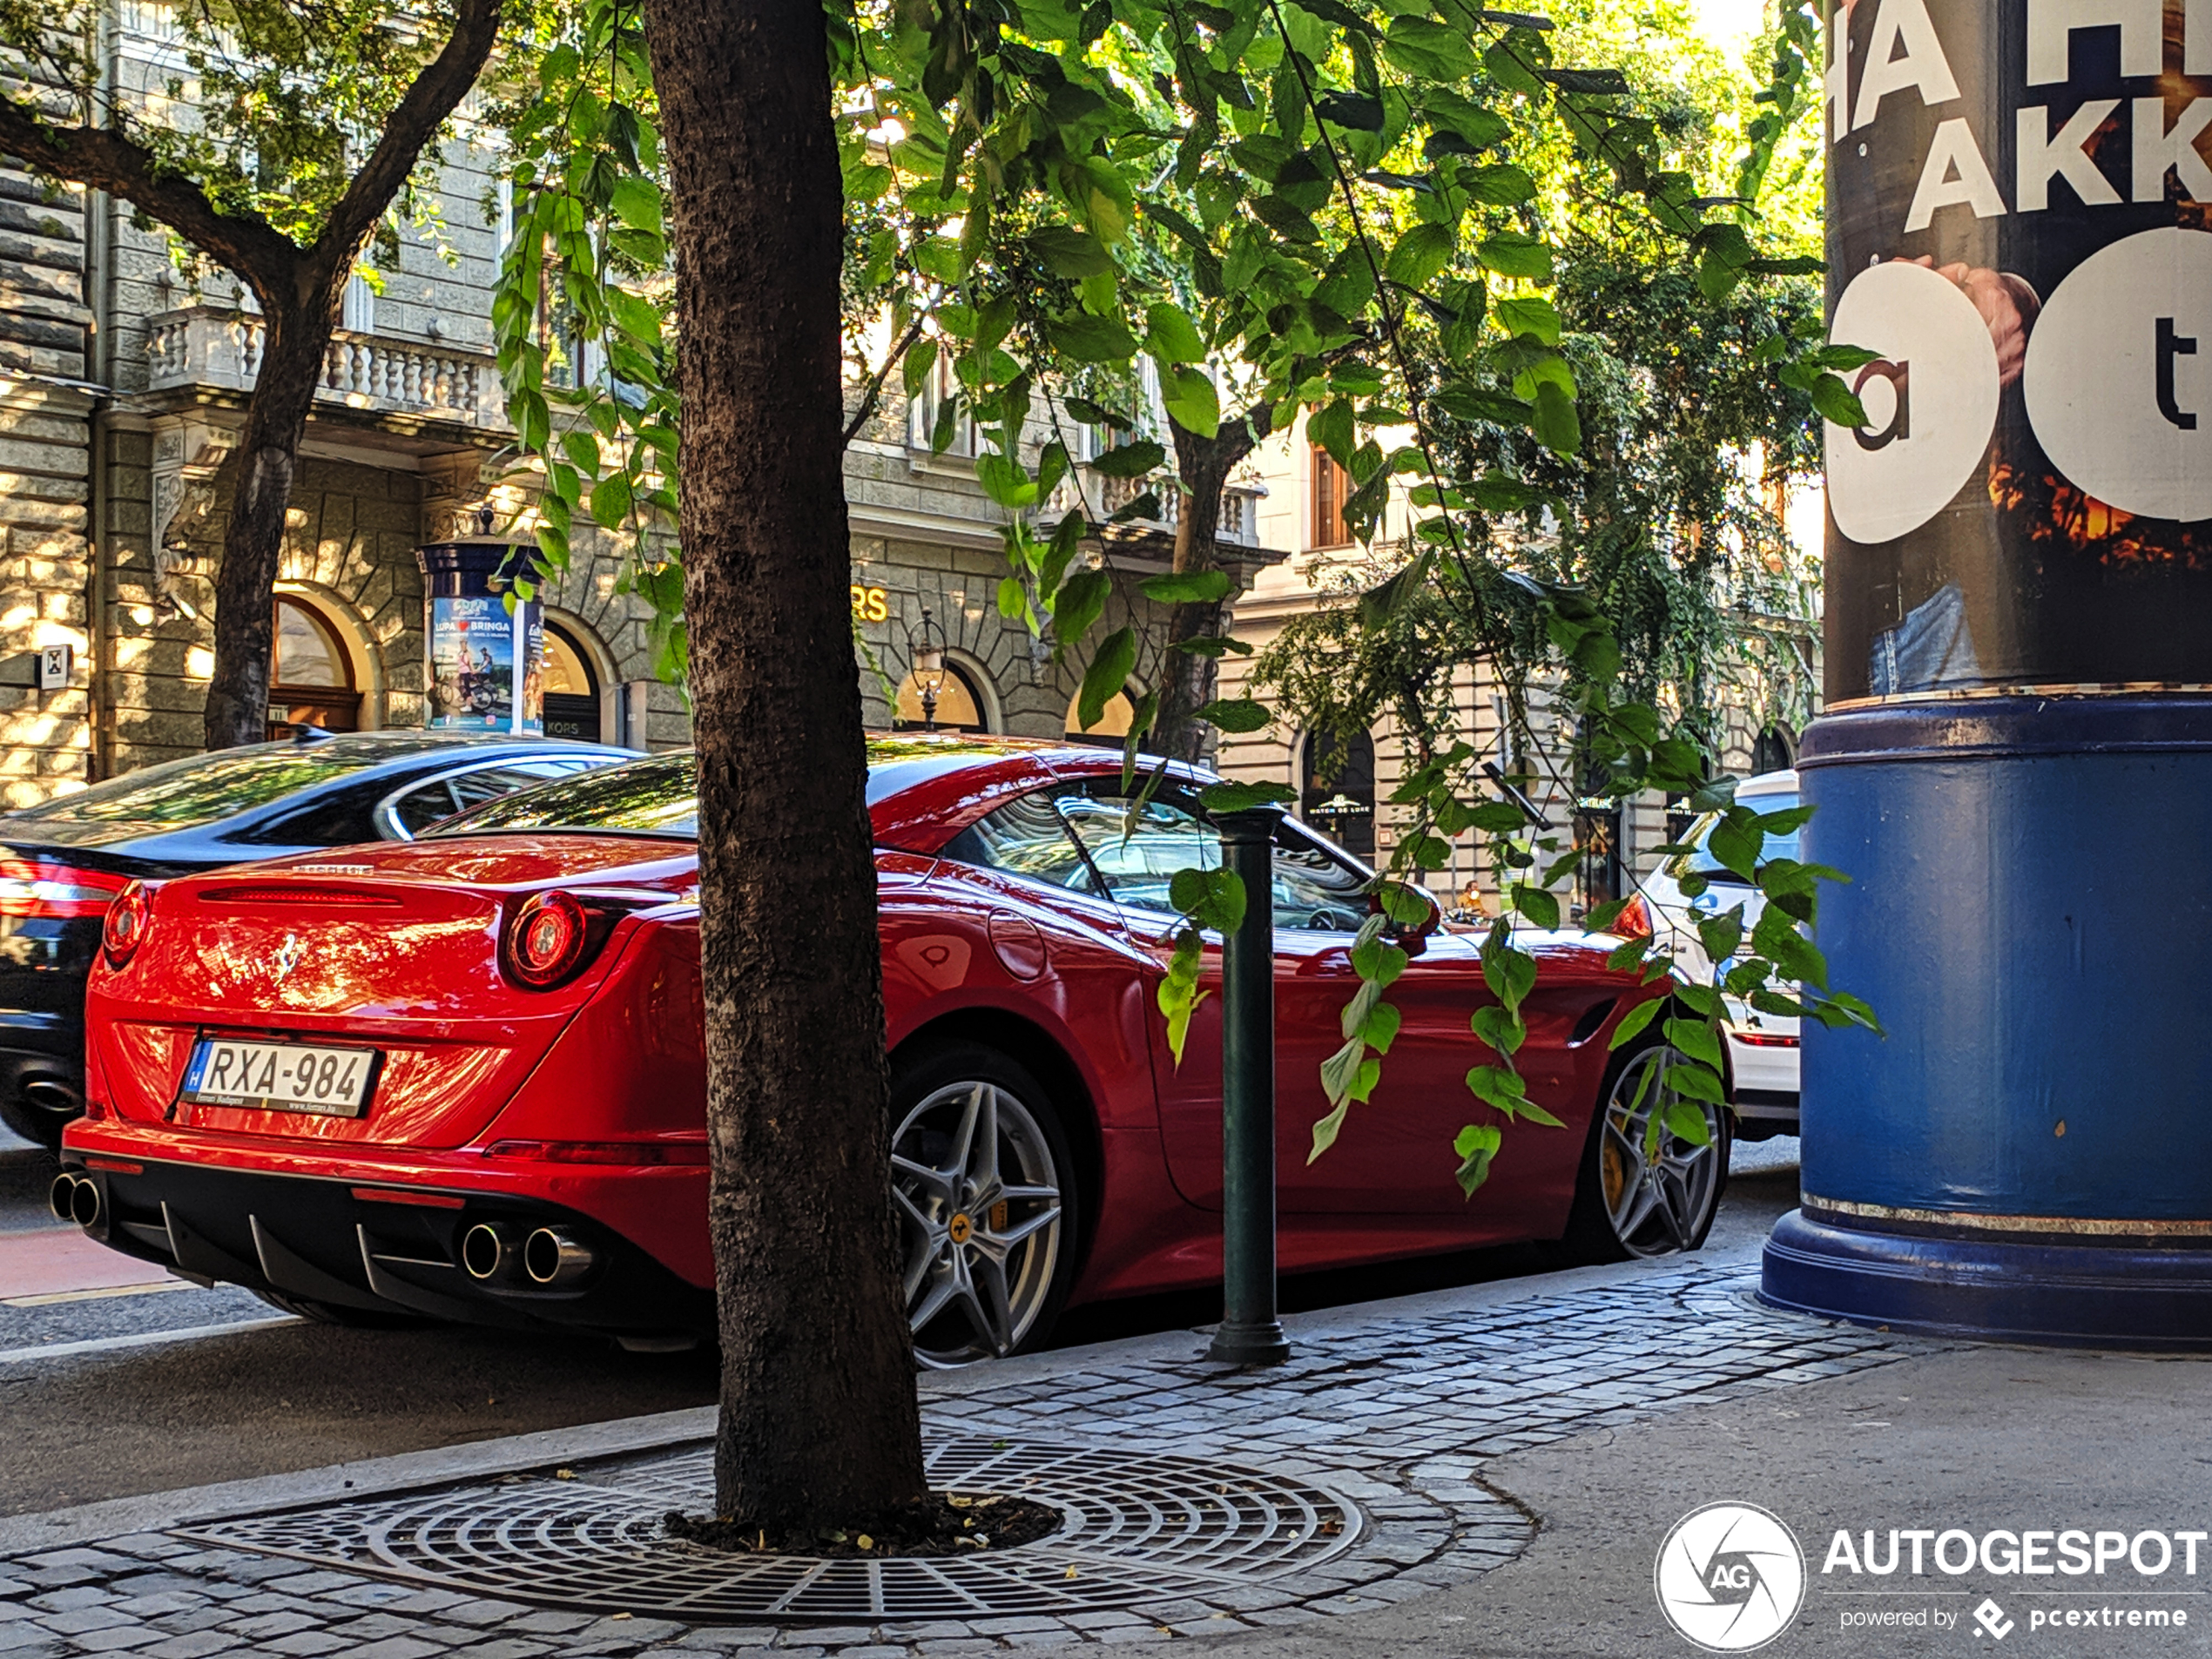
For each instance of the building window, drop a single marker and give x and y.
(571, 689)
(1331, 488)
(311, 682)
(1773, 750)
(959, 706)
(1112, 723)
(1339, 798)
(938, 393)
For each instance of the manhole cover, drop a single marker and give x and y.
(1139, 1529)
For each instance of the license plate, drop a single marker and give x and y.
(280, 1076)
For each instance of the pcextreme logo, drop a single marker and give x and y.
(1729, 1577)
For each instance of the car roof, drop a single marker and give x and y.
(1768, 783)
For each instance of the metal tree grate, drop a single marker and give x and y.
(1138, 1529)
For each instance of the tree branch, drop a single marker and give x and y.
(874, 388)
(105, 158)
(433, 95)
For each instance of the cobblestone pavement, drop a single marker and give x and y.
(1200, 1501)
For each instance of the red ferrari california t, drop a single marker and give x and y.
(463, 1078)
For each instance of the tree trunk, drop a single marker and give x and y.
(819, 1423)
(276, 420)
(1186, 677)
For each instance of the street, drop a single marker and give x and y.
(178, 1386)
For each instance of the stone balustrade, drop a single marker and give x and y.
(1239, 520)
(206, 345)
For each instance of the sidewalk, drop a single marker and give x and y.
(1480, 1470)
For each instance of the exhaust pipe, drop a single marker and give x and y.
(487, 1251)
(75, 1198)
(551, 1256)
(49, 1095)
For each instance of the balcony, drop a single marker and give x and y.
(1238, 524)
(392, 382)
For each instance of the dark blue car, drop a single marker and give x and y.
(62, 863)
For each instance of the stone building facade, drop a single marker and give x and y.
(123, 377)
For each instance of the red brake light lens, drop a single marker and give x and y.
(1634, 921)
(545, 942)
(126, 924)
(55, 891)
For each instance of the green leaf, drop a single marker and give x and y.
(1350, 109)
(1325, 1129)
(1476, 1144)
(1341, 1072)
(1557, 425)
(1499, 1027)
(1838, 402)
(1693, 1080)
(1108, 673)
(611, 501)
(1532, 316)
(1515, 255)
(1428, 49)
(1540, 907)
(1191, 587)
(1191, 400)
(1130, 459)
(1475, 403)
(1633, 1023)
(1501, 186)
(1079, 604)
(1688, 1123)
(1239, 715)
(1421, 254)
(1069, 253)
(1381, 1029)
(1171, 336)
(1695, 1039)
(635, 202)
(1241, 797)
(1085, 339)
(1214, 645)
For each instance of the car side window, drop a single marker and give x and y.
(1027, 837)
(420, 808)
(1313, 892)
(1138, 860)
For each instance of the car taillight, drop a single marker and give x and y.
(545, 941)
(1634, 921)
(60, 891)
(1766, 1039)
(126, 924)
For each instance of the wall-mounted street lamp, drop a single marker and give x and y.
(925, 663)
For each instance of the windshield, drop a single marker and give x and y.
(185, 794)
(660, 796)
(1701, 862)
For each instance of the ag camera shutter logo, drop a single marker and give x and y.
(1729, 1577)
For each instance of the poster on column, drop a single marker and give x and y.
(482, 656)
(2019, 223)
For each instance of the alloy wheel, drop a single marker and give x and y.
(978, 1194)
(1659, 1190)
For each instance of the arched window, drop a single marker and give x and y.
(311, 681)
(1112, 723)
(1338, 798)
(571, 688)
(1773, 750)
(959, 706)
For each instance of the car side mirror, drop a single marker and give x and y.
(1410, 937)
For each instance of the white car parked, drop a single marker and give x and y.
(1761, 1049)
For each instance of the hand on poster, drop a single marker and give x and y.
(2007, 305)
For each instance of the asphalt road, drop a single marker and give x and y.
(109, 1388)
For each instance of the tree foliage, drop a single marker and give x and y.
(1363, 213)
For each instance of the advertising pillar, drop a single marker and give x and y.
(2015, 768)
(485, 648)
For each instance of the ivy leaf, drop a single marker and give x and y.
(1476, 1144)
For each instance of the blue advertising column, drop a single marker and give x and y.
(484, 650)
(2015, 768)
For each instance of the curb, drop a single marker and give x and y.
(513, 1454)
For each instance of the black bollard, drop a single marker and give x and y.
(1250, 1334)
